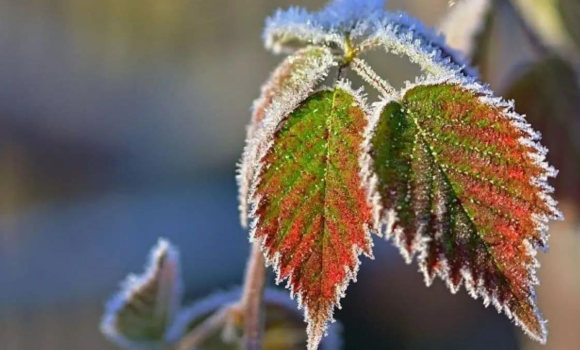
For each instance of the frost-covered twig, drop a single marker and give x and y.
(368, 74)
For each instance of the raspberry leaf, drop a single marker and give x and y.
(311, 206)
(294, 79)
(463, 183)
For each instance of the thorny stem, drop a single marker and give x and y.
(252, 300)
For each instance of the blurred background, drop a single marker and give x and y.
(122, 121)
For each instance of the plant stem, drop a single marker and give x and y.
(252, 300)
(369, 75)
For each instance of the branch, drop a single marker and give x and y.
(252, 300)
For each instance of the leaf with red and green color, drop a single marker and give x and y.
(294, 79)
(462, 183)
(311, 207)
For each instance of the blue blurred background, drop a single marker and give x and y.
(122, 121)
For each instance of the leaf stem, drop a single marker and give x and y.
(252, 299)
(369, 75)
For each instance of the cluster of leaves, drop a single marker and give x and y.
(148, 314)
(447, 170)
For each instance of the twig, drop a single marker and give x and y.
(369, 75)
(252, 300)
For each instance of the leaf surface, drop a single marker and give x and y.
(462, 183)
(295, 78)
(139, 315)
(312, 213)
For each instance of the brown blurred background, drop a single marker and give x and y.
(122, 121)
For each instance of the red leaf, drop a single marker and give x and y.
(312, 214)
(293, 80)
(462, 183)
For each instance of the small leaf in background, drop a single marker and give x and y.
(548, 93)
(295, 78)
(312, 213)
(139, 315)
(462, 183)
(284, 323)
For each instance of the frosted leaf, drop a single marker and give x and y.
(462, 182)
(139, 315)
(296, 77)
(405, 36)
(312, 215)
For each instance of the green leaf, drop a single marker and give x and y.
(294, 79)
(462, 183)
(311, 208)
(140, 314)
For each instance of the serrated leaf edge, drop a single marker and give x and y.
(280, 107)
(273, 260)
(475, 288)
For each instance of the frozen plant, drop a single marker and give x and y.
(443, 168)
